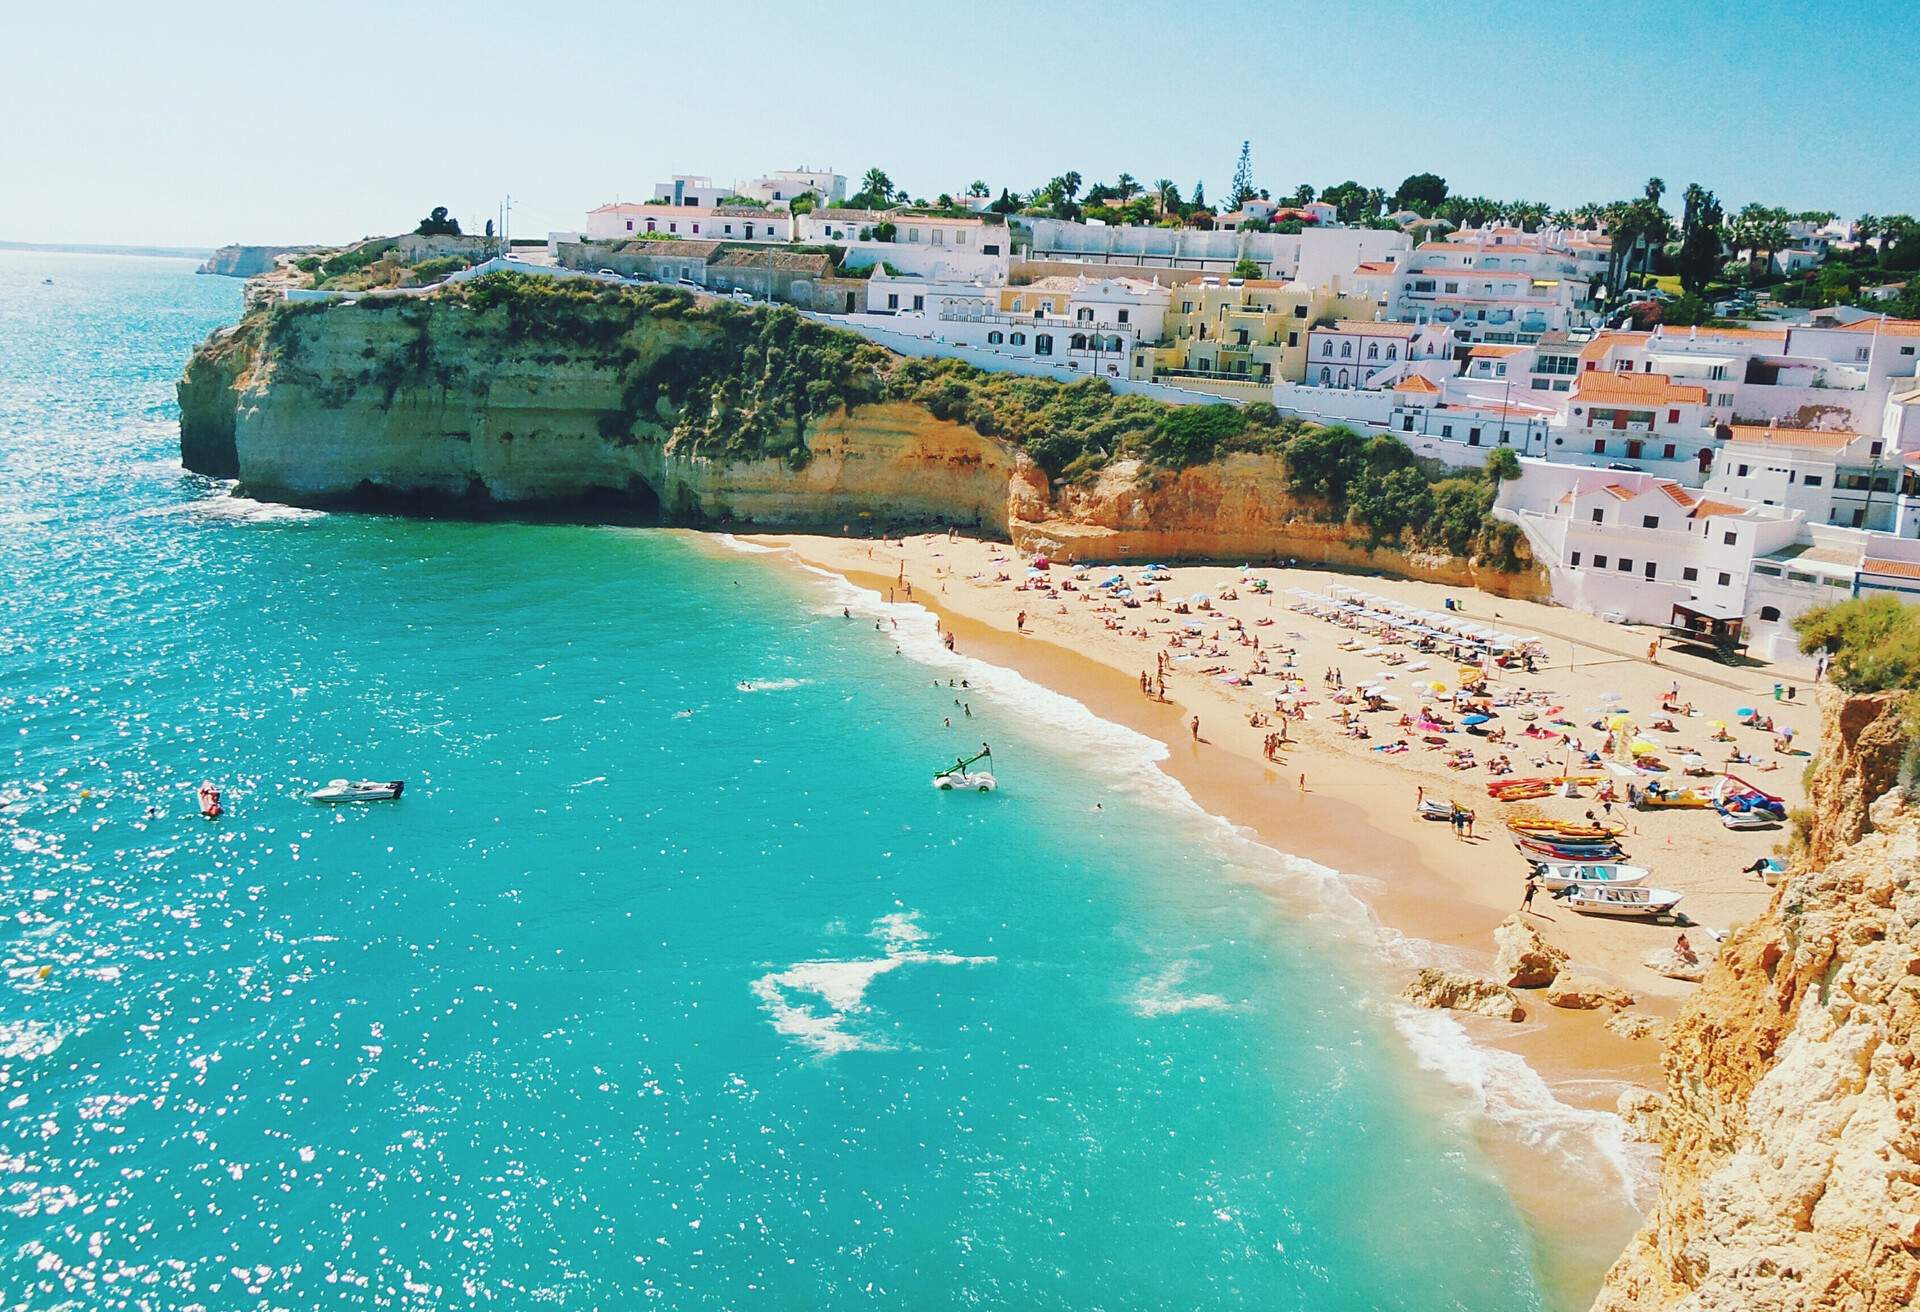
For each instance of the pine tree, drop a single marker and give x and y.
(1243, 189)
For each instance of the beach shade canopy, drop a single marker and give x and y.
(1716, 724)
(1641, 747)
(1610, 697)
(1475, 718)
(1437, 686)
(1619, 721)
(1200, 599)
(1693, 759)
(1744, 710)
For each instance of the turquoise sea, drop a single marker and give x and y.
(669, 982)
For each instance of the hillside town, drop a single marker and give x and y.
(1714, 420)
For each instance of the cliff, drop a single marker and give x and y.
(1790, 1128)
(649, 405)
(247, 261)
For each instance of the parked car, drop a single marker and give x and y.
(608, 273)
(1624, 468)
(745, 298)
(691, 285)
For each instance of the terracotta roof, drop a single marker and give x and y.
(1615, 490)
(694, 249)
(1373, 267)
(1371, 328)
(1769, 334)
(1653, 389)
(1599, 347)
(615, 207)
(1495, 348)
(1900, 569)
(1678, 495)
(1810, 439)
(1705, 509)
(1416, 383)
(1891, 327)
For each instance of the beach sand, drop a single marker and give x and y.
(1356, 811)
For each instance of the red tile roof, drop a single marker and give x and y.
(1606, 388)
(1901, 569)
(1810, 439)
(1416, 383)
(1891, 327)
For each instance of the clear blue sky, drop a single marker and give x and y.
(200, 123)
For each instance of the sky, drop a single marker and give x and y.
(196, 123)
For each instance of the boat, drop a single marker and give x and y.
(1749, 820)
(1534, 850)
(1634, 901)
(360, 790)
(1660, 797)
(962, 777)
(1433, 810)
(1555, 875)
(210, 801)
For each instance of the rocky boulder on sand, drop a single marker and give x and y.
(1637, 1025)
(1580, 994)
(1443, 989)
(1640, 1109)
(1674, 966)
(1524, 960)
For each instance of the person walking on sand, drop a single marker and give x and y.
(1419, 797)
(1526, 899)
(1303, 781)
(1020, 622)
(1195, 726)
(1467, 820)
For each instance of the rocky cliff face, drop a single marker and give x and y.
(1790, 1129)
(444, 402)
(247, 261)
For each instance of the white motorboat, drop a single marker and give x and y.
(1750, 820)
(1555, 875)
(360, 790)
(1634, 901)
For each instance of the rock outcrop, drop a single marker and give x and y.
(464, 402)
(1790, 1127)
(1522, 959)
(1579, 993)
(1444, 989)
(247, 261)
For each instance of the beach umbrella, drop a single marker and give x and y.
(1641, 747)
(1200, 599)
(1610, 697)
(1437, 686)
(1744, 710)
(1618, 721)
(1716, 724)
(1475, 719)
(1693, 759)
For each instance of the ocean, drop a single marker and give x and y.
(669, 981)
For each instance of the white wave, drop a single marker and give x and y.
(773, 685)
(814, 1001)
(1500, 1087)
(236, 509)
(1160, 995)
(733, 543)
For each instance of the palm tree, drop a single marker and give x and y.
(877, 184)
(1165, 195)
(1656, 188)
(1126, 185)
(978, 188)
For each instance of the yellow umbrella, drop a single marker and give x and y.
(1437, 686)
(1716, 724)
(1618, 721)
(1641, 747)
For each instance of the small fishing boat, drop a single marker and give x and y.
(1534, 849)
(1636, 901)
(962, 777)
(1555, 875)
(361, 790)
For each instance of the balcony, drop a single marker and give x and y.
(1216, 376)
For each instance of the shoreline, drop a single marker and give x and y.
(1355, 816)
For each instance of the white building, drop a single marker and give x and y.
(781, 187)
(1497, 284)
(630, 222)
(690, 189)
(1313, 256)
(1830, 476)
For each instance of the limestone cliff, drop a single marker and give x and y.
(247, 261)
(651, 405)
(1790, 1130)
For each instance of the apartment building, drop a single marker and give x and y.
(1831, 476)
(1227, 335)
(630, 222)
(1313, 256)
(1496, 284)
(1081, 324)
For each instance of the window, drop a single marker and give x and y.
(1043, 343)
(1649, 521)
(1346, 350)
(1446, 430)
(960, 237)
(1123, 316)
(1541, 384)
(1300, 311)
(1651, 569)
(629, 225)
(893, 301)
(1730, 538)
(939, 237)
(673, 227)
(1725, 578)
(1626, 566)
(1599, 515)
(913, 235)
(996, 337)
(1406, 421)
(1690, 574)
(1373, 350)
(1599, 446)
(1771, 571)
(1293, 339)
(1667, 451)
(1083, 314)
(1769, 613)
(1574, 560)
(1392, 350)
(1673, 416)
(1018, 339)
(1599, 562)
(1326, 348)
(1017, 303)
(1814, 480)
(1186, 307)
(1741, 471)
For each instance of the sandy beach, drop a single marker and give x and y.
(1356, 810)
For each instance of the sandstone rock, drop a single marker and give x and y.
(1455, 992)
(1788, 1159)
(1640, 1109)
(1524, 959)
(1674, 966)
(1637, 1025)
(1578, 993)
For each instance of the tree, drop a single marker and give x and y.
(979, 190)
(1243, 189)
(489, 230)
(437, 224)
(1199, 195)
(1126, 186)
(1166, 196)
(877, 184)
(1655, 189)
(1008, 203)
(1244, 268)
(1874, 642)
(1699, 256)
(805, 203)
(1420, 192)
(1349, 199)
(1304, 194)
(1069, 184)
(1502, 465)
